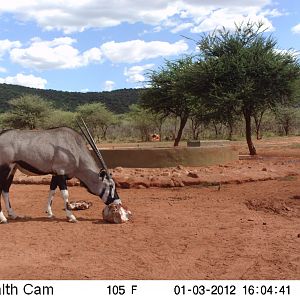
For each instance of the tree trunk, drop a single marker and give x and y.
(197, 133)
(216, 130)
(195, 129)
(104, 132)
(258, 120)
(286, 129)
(160, 128)
(175, 128)
(287, 125)
(180, 130)
(252, 150)
(257, 134)
(230, 126)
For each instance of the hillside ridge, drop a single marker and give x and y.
(118, 101)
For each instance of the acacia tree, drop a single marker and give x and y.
(59, 118)
(169, 94)
(247, 74)
(200, 117)
(143, 120)
(286, 118)
(27, 112)
(97, 117)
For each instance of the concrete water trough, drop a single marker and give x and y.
(162, 157)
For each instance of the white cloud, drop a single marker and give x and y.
(71, 16)
(60, 53)
(136, 73)
(109, 85)
(7, 45)
(56, 54)
(296, 28)
(181, 27)
(25, 80)
(275, 13)
(2, 70)
(138, 50)
(228, 18)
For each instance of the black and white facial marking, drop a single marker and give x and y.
(108, 193)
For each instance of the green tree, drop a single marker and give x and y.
(145, 121)
(200, 117)
(97, 117)
(59, 118)
(27, 112)
(169, 94)
(286, 118)
(246, 73)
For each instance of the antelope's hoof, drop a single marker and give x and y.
(13, 217)
(3, 222)
(71, 220)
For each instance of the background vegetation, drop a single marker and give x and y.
(117, 101)
(236, 75)
(238, 86)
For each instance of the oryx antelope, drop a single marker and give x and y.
(58, 151)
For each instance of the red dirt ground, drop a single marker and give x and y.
(244, 226)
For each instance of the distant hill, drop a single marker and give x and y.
(117, 101)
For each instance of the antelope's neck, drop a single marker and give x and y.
(88, 173)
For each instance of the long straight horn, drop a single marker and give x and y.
(87, 138)
(99, 155)
(92, 143)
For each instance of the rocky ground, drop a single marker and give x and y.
(245, 170)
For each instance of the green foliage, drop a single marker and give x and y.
(245, 73)
(286, 118)
(238, 73)
(143, 120)
(169, 93)
(97, 117)
(238, 77)
(117, 101)
(58, 118)
(28, 111)
(296, 95)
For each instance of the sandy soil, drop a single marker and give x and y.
(244, 227)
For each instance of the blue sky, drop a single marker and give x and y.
(96, 45)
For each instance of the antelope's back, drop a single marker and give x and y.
(40, 147)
